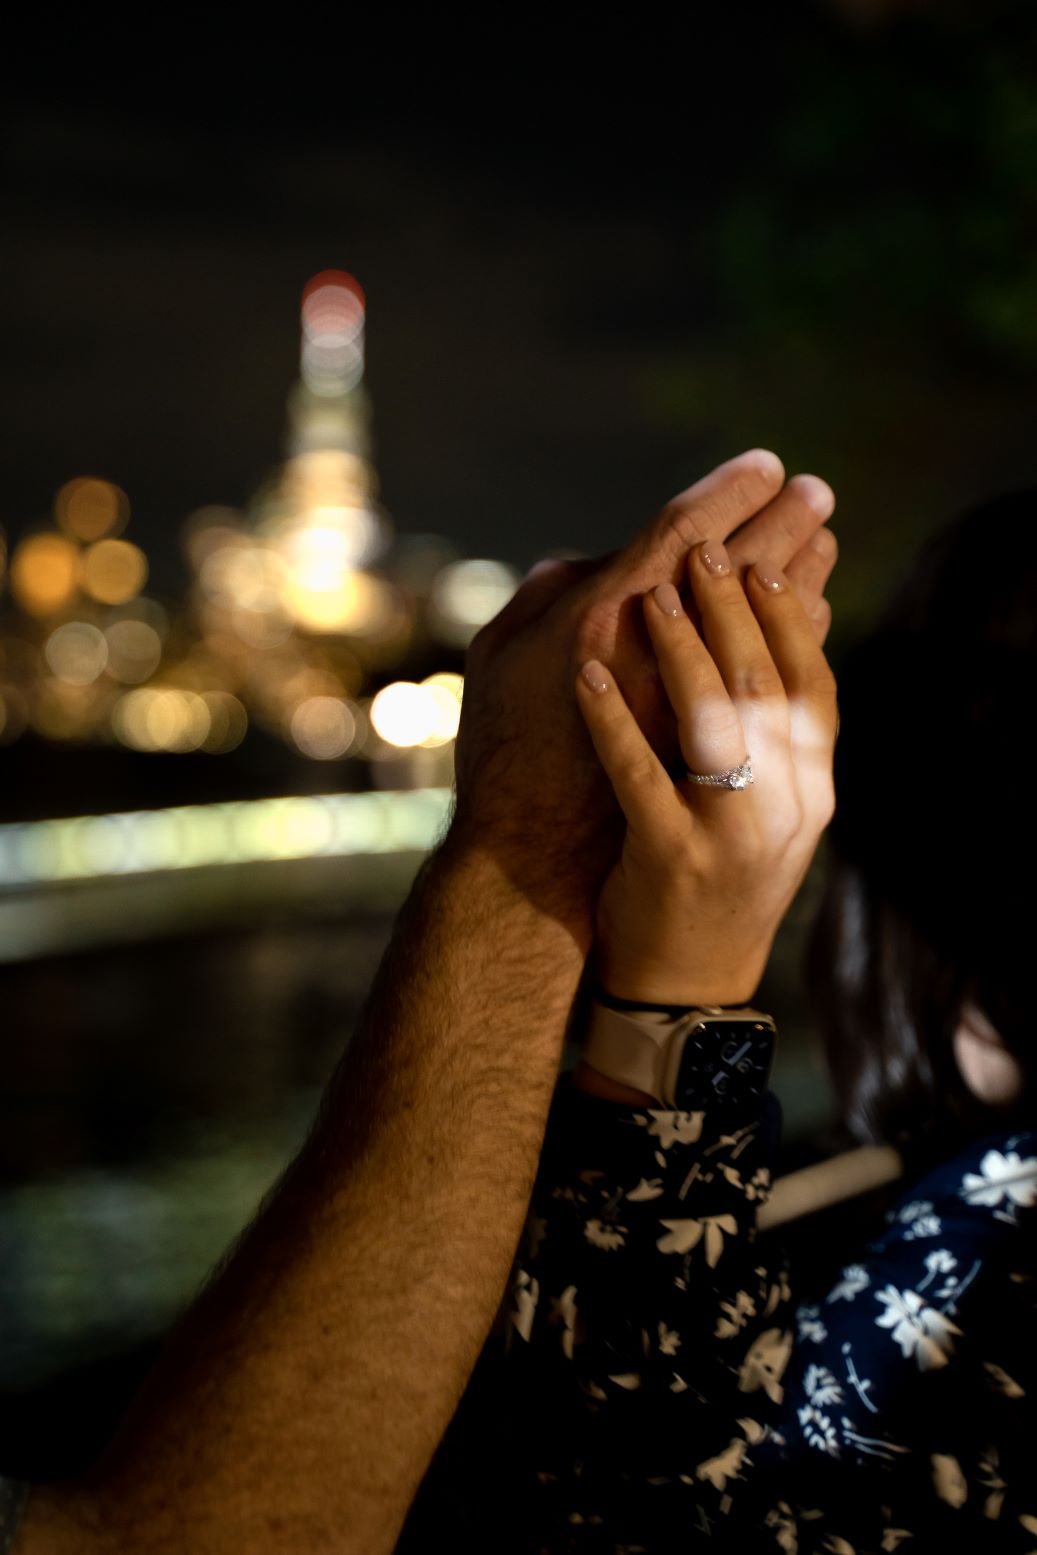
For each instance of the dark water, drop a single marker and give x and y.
(152, 1093)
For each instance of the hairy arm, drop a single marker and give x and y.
(300, 1401)
(351, 1302)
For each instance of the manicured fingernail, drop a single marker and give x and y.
(668, 600)
(770, 576)
(594, 675)
(816, 493)
(715, 558)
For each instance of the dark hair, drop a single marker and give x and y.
(932, 849)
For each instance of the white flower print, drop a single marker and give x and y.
(914, 1210)
(821, 1386)
(940, 1261)
(918, 1329)
(925, 1225)
(818, 1430)
(724, 1466)
(1002, 1176)
(948, 1480)
(669, 1340)
(809, 1326)
(737, 1312)
(854, 1280)
(684, 1235)
(765, 1364)
(651, 1188)
(669, 1128)
(608, 1237)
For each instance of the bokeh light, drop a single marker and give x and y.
(134, 651)
(326, 599)
(162, 719)
(243, 574)
(77, 653)
(44, 574)
(89, 509)
(228, 722)
(207, 529)
(113, 571)
(323, 728)
(467, 594)
(446, 690)
(332, 360)
(405, 714)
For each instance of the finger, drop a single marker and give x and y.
(792, 636)
(710, 731)
(642, 787)
(811, 567)
(735, 638)
(791, 639)
(785, 525)
(714, 507)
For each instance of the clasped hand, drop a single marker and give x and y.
(689, 912)
(702, 878)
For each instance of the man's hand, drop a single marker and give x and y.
(530, 789)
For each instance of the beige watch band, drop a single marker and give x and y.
(637, 1048)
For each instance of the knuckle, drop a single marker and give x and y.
(635, 770)
(681, 526)
(757, 681)
(715, 725)
(593, 627)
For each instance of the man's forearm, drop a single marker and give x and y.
(301, 1399)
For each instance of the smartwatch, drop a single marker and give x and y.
(698, 1059)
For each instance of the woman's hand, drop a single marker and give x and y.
(689, 913)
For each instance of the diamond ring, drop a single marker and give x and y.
(737, 777)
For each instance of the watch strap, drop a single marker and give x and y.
(634, 1048)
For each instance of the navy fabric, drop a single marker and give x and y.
(686, 1393)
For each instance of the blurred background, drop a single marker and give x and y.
(311, 344)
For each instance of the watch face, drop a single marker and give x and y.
(725, 1063)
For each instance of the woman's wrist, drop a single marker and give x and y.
(678, 987)
(728, 992)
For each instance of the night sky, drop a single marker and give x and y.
(597, 259)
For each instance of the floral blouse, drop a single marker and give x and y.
(682, 1394)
